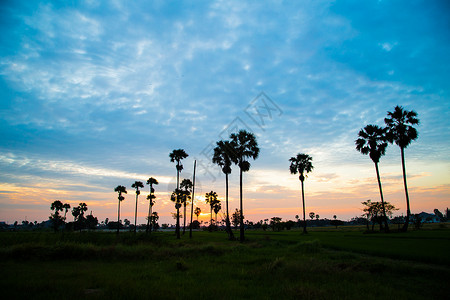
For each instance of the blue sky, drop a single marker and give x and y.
(96, 94)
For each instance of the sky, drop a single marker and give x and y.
(96, 94)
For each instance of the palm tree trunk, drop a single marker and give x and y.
(304, 213)
(184, 219)
(135, 214)
(177, 229)
(118, 218)
(408, 211)
(192, 204)
(228, 224)
(241, 229)
(210, 221)
(386, 226)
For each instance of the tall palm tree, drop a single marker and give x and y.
(192, 202)
(211, 199)
(151, 201)
(401, 131)
(197, 212)
(244, 147)
(177, 156)
(121, 190)
(177, 197)
(186, 186)
(372, 140)
(301, 164)
(223, 155)
(136, 185)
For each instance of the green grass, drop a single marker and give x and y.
(339, 264)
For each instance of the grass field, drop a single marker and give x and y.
(324, 264)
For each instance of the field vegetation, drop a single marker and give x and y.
(327, 263)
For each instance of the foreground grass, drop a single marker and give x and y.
(321, 265)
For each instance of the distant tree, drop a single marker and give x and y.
(91, 222)
(55, 218)
(127, 222)
(211, 199)
(66, 207)
(236, 218)
(120, 189)
(197, 212)
(302, 164)
(312, 215)
(217, 207)
(334, 217)
(275, 223)
(78, 213)
(223, 156)
(151, 201)
(336, 223)
(244, 146)
(317, 217)
(373, 141)
(177, 198)
(373, 211)
(106, 221)
(154, 220)
(186, 186)
(289, 224)
(401, 131)
(136, 185)
(195, 224)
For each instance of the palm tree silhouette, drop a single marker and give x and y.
(372, 140)
(223, 155)
(66, 207)
(217, 207)
(301, 164)
(121, 190)
(193, 198)
(197, 212)
(211, 199)
(151, 201)
(177, 197)
(401, 131)
(186, 186)
(177, 156)
(244, 146)
(136, 185)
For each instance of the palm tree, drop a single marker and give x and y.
(301, 164)
(136, 185)
(217, 207)
(372, 140)
(177, 198)
(186, 186)
(401, 131)
(56, 219)
(223, 154)
(211, 199)
(151, 201)
(197, 212)
(244, 146)
(66, 207)
(121, 190)
(177, 156)
(192, 202)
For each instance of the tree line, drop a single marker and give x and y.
(241, 147)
